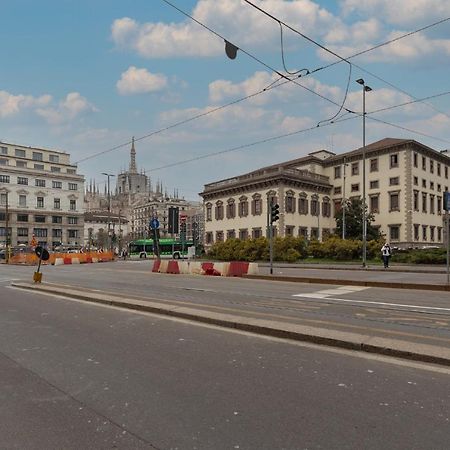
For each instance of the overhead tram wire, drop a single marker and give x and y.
(267, 66)
(304, 130)
(271, 86)
(342, 59)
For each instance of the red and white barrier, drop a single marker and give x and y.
(224, 269)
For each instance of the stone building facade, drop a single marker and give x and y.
(405, 182)
(43, 194)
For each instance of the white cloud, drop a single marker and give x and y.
(399, 12)
(244, 24)
(68, 109)
(11, 104)
(140, 81)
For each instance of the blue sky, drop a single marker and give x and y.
(84, 76)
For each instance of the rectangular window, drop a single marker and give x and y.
(37, 156)
(432, 233)
(393, 160)
(4, 178)
(394, 181)
(39, 202)
(39, 166)
(431, 204)
(439, 169)
(22, 180)
(72, 220)
(53, 158)
(209, 237)
(439, 188)
(290, 204)
(439, 206)
(20, 153)
(21, 164)
(302, 205)
(40, 232)
(243, 234)
(355, 168)
(416, 232)
(394, 203)
(416, 181)
(73, 206)
(416, 200)
(231, 234)
(326, 209)
(256, 233)
(39, 183)
(394, 233)
(374, 204)
(22, 232)
(39, 219)
(56, 184)
(290, 230)
(446, 172)
(55, 169)
(337, 172)
(374, 165)
(337, 190)
(315, 207)
(57, 233)
(56, 203)
(73, 186)
(415, 158)
(71, 171)
(431, 166)
(424, 183)
(355, 187)
(303, 232)
(424, 163)
(3, 162)
(219, 236)
(22, 200)
(424, 202)
(57, 219)
(424, 232)
(22, 217)
(3, 199)
(432, 185)
(439, 234)
(3, 150)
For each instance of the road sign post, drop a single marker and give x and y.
(154, 225)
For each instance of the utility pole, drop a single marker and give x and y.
(7, 230)
(344, 205)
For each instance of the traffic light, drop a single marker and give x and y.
(274, 213)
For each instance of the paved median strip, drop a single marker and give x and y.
(346, 340)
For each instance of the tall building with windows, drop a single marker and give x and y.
(405, 182)
(41, 194)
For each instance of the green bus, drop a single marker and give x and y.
(143, 248)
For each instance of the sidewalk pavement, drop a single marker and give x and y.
(397, 277)
(414, 351)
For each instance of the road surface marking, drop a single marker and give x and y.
(325, 293)
(324, 296)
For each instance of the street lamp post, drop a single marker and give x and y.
(109, 175)
(343, 200)
(365, 89)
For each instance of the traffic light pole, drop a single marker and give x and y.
(270, 239)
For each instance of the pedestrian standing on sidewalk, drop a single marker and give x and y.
(386, 254)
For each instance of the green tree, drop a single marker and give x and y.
(354, 221)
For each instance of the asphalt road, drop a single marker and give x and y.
(81, 376)
(410, 315)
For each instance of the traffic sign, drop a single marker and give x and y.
(154, 223)
(42, 253)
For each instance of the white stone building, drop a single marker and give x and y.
(43, 194)
(405, 182)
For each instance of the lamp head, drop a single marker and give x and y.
(367, 88)
(360, 81)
